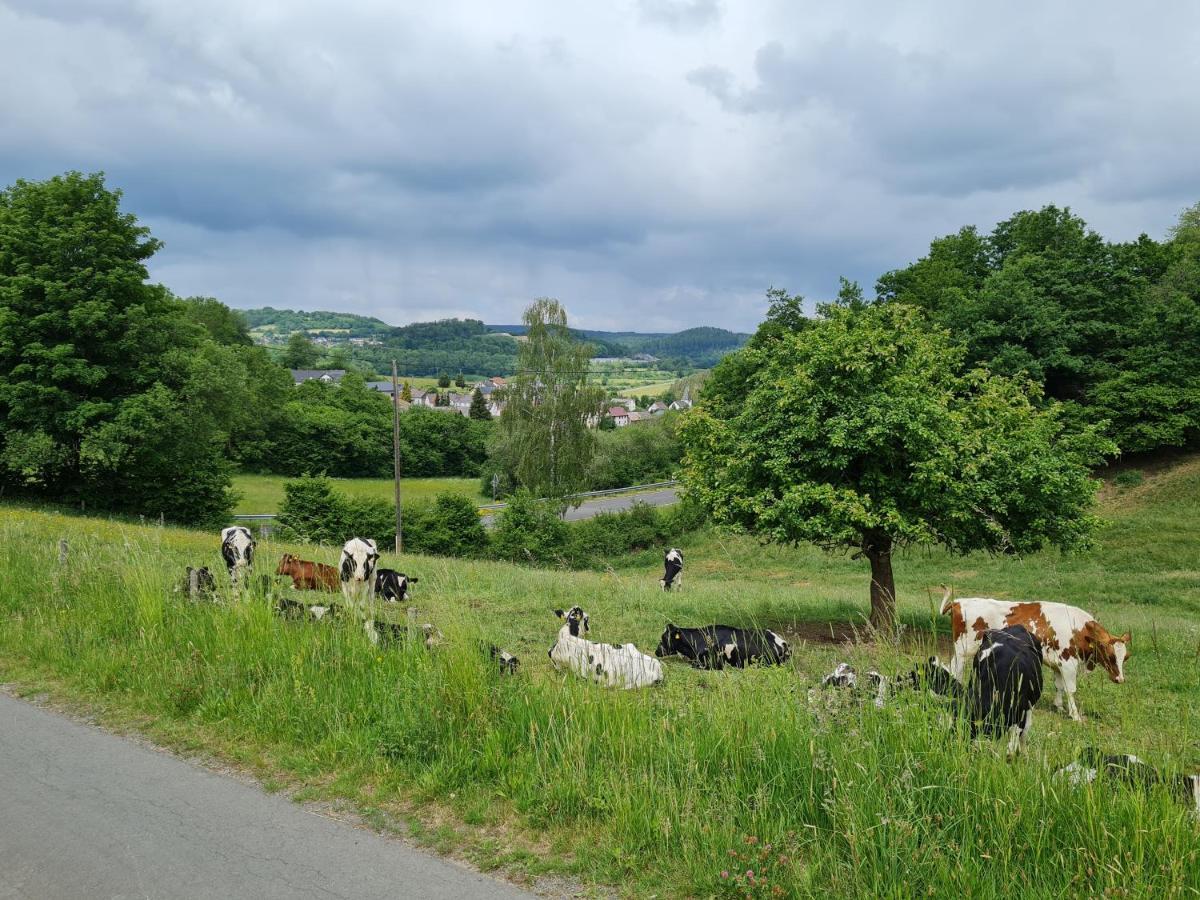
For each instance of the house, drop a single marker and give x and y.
(329, 376)
(657, 408)
(626, 402)
(619, 415)
(461, 403)
(424, 398)
(635, 416)
(685, 402)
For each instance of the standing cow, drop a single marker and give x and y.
(672, 570)
(1069, 637)
(357, 567)
(237, 549)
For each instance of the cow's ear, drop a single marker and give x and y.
(1124, 639)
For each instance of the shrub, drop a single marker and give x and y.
(313, 511)
(449, 526)
(1128, 478)
(529, 531)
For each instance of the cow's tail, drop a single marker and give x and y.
(947, 599)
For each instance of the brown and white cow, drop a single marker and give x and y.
(1070, 637)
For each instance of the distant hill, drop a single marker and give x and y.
(695, 347)
(284, 321)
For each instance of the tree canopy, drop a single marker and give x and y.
(865, 430)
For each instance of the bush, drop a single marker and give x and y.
(449, 526)
(529, 531)
(313, 511)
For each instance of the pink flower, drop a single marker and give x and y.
(724, 873)
(749, 873)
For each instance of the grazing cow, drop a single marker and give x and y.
(612, 665)
(1069, 637)
(237, 549)
(715, 646)
(1006, 684)
(1127, 768)
(672, 570)
(357, 566)
(308, 576)
(393, 586)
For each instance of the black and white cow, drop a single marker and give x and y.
(393, 586)
(506, 661)
(391, 633)
(294, 609)
(1127, 768)
(237, 549)
(672, 570)
(611, 665)
(716, 646)
(1005, 685)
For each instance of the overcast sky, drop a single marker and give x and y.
(654, 164)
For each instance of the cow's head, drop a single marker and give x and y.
(577, 619)
(286, 562)
(671, 642)
(358, 560)
(1106, 650)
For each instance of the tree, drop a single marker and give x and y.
(406, 392)
(224, 325)
(337, 358)
(460, 380)
(544, 441)
(443, 380)
(864, 431)
(98, 389)
(301, 353)
(479, 408)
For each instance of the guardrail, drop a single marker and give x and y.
(490, 507)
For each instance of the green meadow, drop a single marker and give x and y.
(679, 790)
(262, 494)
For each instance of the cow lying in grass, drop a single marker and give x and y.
(715, 646)
(612, 665)
(1004, 686)
(1069, 637)
(294, 609)
(1127, 768)
(393, 586)
(308, 576)
(506, 662)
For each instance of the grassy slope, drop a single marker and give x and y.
(652, 790)
(264, 493)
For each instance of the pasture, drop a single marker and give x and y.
(264, 493)
(678, 790)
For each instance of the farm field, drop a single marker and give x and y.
(675, 791)
(264, 493)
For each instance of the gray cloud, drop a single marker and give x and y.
(655, 166)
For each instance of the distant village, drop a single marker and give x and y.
(622, 411)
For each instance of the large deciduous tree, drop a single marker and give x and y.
(544, 442)
(864, 431)
(300, 352)
(98, 377)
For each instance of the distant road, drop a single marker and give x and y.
(597, 505)
(84, 813)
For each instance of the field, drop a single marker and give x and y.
(262, 494)
(674, 791)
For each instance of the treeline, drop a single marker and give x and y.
(1112, 330)
(286, 321)
(448, 345)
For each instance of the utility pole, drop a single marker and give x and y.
(396, 454)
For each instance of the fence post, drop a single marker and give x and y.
(193, 583)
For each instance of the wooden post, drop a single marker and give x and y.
(396, 455)
(193, 583)
(63, 550)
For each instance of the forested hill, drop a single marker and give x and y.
(285, 321)
(695, 347)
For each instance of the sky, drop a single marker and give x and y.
(653, 164)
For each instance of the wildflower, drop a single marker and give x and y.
(724, 873)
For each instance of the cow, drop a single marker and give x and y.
(715, 646)
(611, 665)
(1069, 637)
(930, 675)
(294, 609)
(308, 576)
(387, 633)
(393, 586)
(672, 570)
(506, 661)
(357, 566)
(1006, 684)
(1127, 768)
(237, 549)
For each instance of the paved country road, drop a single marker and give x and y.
(596, 505)
(84, 813)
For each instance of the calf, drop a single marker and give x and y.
(308, 576)
(237, 549)
(1006, 684)
(672, 570)
(393, 586)
(387, 633)
(294, 609)
(357, 566)
(1069, 637)
(507, 662)
(714, 646)
(612, 665)
(1129, 769)
(930, 675)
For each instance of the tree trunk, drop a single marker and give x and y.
(878, 549)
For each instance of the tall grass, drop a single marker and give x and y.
(654, 791)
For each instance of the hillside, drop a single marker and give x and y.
(544, 772)
(698, 347)
(282, 322)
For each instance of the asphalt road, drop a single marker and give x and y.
(84, 813)
(596, 505)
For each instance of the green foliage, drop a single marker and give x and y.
(286, 321)
(313, 511)
(449, 526)
(97, 373)
(224, 325)
(1111, 330)
(1129, 478)
(529, 531)
(640, 453)
(479, 408)
(443, 380)
(301, 352)
(864, 431)
(544, 443)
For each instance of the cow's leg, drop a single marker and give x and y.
(372, 634)
(1058, 690)
(679, 582)
(1014, 740)
(1026, 725)
(963, 654)
(1069, 678)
